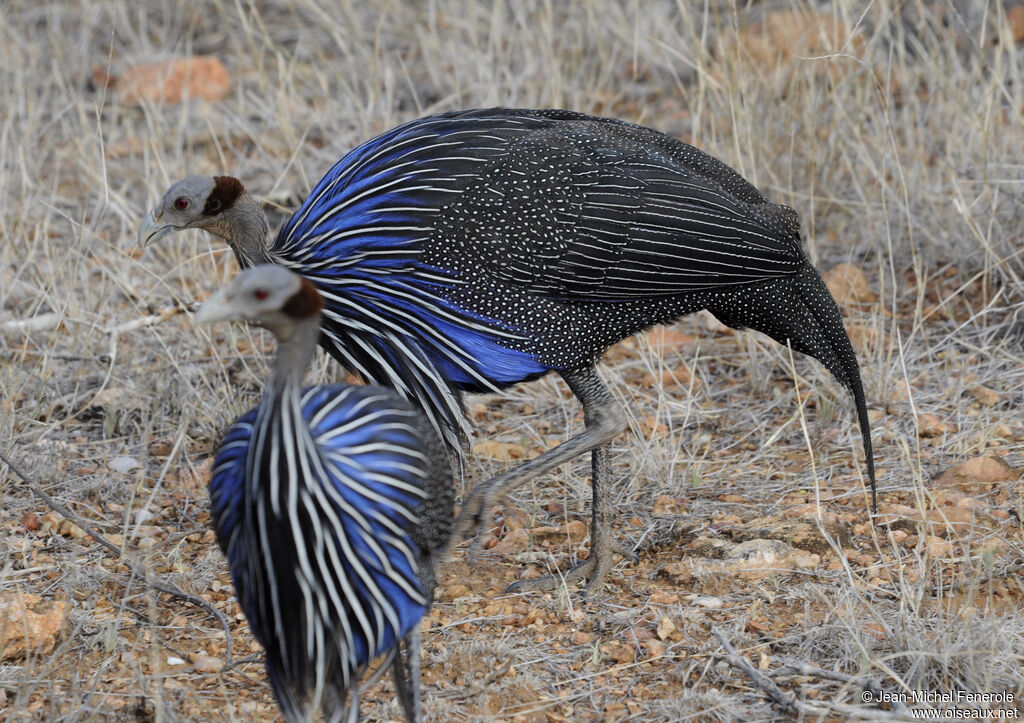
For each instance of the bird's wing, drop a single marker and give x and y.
(563, 203)
(227, 486)
(597, 211)
(368, 453)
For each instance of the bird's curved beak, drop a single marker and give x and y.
(151, 230)
(216, 308)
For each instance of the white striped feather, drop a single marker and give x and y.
(310, 508)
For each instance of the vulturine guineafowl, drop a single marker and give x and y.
(473, 250)
(330, 503)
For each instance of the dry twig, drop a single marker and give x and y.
(793, 704)
(157, 583)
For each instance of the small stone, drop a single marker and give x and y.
(929, 425)
(30, 521)
(515, 518)
(52, 522)
(988, 469)
(708, 601)
(643, 632)
(665, 505)
(665, 627)
(937, 547)
(117, 398)
(530, 572)
(576, 531)
(655, 649)
(205, 664)
(172, 81)
(807, 562)
(514, 543)
(951, 519)
(123, 465)
(979, 470)
(969, 502)
(29, 623)
(620, 653)
(848, 285)
(664, 597)
(986, 396)
(786, 36)
(503, 451)
(174, 660)
(100, 78)
(581, 638)
(453, 592)
(1015, 22)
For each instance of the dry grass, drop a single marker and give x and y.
(900, 145)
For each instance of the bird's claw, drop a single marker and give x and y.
(628, 552)
(593, 570)
(471, 519)
(476, 549)
(470, 516)
(586, 570)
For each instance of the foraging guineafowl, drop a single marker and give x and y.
(330, 503)
(473, 250)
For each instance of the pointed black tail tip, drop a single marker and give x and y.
(874, 492)
(854, 384)
(869, 452)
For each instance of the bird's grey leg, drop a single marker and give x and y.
(602, 543)
(353, 706)
(406, 669)
(335, 708)
(407, 675)
(603, 419)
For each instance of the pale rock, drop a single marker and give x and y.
(123, 465)
(29, 623)
(201, 77)
(514, 543)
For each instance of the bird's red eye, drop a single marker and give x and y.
(260, 294)
(181, 203)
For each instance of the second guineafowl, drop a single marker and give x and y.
(330, 503)
(473, 250)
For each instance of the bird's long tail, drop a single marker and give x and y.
(800, 310)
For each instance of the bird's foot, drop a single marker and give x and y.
(593, 570)
(477, 504)
(627, 551)
(587, 570)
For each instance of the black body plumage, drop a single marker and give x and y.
(473, 250)
(556, 235)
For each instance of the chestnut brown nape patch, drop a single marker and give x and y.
(226, 190)
(305, 302)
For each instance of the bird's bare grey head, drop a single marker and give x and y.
(269, 295)
(217, 204)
